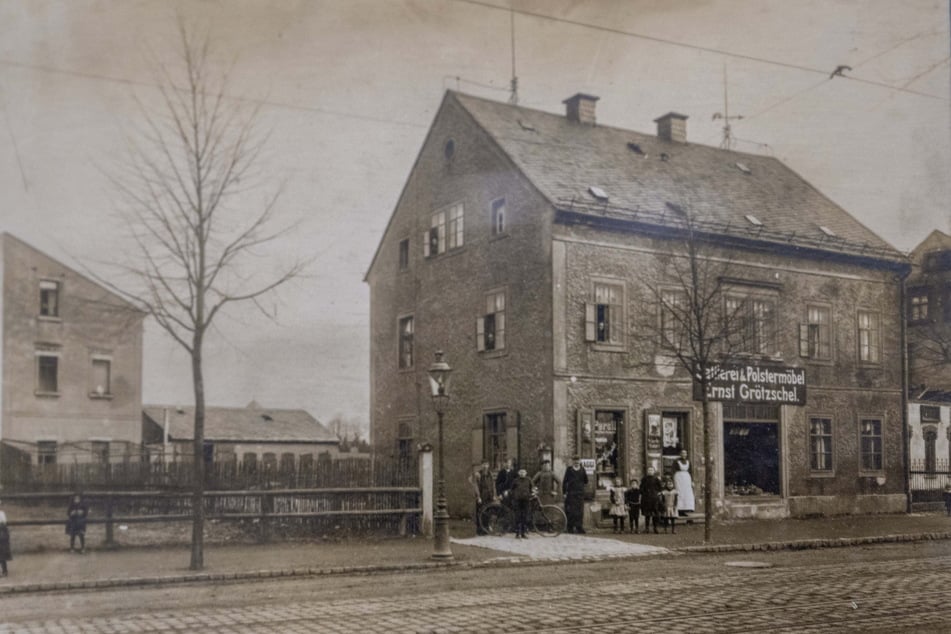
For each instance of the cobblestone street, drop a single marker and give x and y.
(797, 592)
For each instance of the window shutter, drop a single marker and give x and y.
(477, 446)
(480, 334)
(803, 340)
(426, 244)
(589, 322)
(499, 331)
(511, 438)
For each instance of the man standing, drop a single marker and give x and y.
(483, 490)
(573, 485)
(505, 479)
(547, 484)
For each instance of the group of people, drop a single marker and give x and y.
(653, 498)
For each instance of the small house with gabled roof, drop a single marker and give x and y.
(521, 245)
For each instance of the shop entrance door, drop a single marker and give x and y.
(751, 451)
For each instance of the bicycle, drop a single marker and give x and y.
(548, 520)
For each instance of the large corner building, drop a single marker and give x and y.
(520, 247)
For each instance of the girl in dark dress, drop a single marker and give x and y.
(651, 486)
(76, 523)
(633, 499)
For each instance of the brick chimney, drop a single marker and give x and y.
(672, 127)
(580, 108)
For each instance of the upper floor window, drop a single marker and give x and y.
(868, 337)
(49, 298)
(47, 373)
(406, 341)
(498, 216)
(930, 413)
(870, 434)
(918, 304)
(490, 327)
(604, 318)
(751, 324)
(404, 254)
(820, 444)
(101, 377)
(672, 326)
(445, 231)
(495, 437)
(815, 336)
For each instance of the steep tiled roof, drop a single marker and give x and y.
(245, 424)
(641, 174)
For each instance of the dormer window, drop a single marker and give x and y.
(826, 230)
(753, 220)
(598, 193)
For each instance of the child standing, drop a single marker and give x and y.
(522, 497)
(5, 555)
(669, 506)
(947, 498)
(618, 505)
(633, 498)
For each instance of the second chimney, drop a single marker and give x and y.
(580, 108)
(672, 127)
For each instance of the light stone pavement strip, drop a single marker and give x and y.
(563, 547)
(886, 596)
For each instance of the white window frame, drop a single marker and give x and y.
(880, 437)
(56, 287)
(497, 216)
(868, 336)
(816, 334)
(491, 326)
(758, 332)
(670, 328)
(813, 437)
(401, 337)
(106, 391)
(42, 354)
(605, 315)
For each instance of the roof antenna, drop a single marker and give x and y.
(513, 98)
(727, 142)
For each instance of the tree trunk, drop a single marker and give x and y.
(198, 472)
(707, 467)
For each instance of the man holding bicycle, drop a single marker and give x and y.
(483, 487)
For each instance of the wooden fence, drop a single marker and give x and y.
(393, 509)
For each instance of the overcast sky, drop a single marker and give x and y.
(352, 85)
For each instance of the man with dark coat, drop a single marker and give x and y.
(483, 489)
(505, 479)
(651, 486)
(573, 485)
(522, 499)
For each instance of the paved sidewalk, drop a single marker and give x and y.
(62, 570)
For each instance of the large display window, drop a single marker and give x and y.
(751, 451)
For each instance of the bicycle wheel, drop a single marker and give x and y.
(497, 519)
(549, 520)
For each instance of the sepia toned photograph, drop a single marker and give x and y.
(475, 315)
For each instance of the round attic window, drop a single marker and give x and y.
(449, 149)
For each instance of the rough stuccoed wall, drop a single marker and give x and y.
(446, 294)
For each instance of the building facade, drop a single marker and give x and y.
(536, 251)
(928, 315)
(71, 364)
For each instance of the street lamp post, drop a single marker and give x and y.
(439, 384)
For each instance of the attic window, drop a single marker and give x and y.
(743, 168)
(598, 193)
(634, 147)
(267, 418)
(449, 149)
(674, 207)
(826, 230)
(526, 126)
(756, 222)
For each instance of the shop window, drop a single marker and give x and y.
(869, 340)
(495, 433)
(404, 254)
(49, 298)
(673, 440)
(815, 336)
(751, 457)
(498, 217)
(46, 452)
(820, 445)
(604, 317)
(870, 433)
(607, 432)
(100, 451)
(406, 333)
(490, 327)
(47, 373)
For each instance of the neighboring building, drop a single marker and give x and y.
(519, 246)
(70, 363)
(928, 306)
(251, 435)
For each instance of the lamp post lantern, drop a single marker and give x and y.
(439, 373)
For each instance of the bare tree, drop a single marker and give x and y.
(693, 324)
(186, 189)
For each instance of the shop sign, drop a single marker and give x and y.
(779, 385)
(588, 464)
